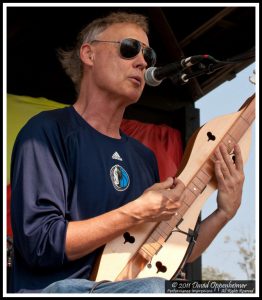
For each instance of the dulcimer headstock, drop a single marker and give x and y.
(252, 79)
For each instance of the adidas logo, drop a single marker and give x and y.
(116, 156)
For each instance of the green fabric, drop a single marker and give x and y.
(19, 110)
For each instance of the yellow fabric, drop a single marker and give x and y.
(19, 110)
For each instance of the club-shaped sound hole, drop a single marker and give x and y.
(210, 136)
(128, 238)
(160, 267)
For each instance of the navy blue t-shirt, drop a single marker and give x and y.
(64, 170)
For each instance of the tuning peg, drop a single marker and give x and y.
(252, 78)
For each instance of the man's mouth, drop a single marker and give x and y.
(136, 79)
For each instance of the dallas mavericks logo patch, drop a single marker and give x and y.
(119, 177)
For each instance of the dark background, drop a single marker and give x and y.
(34, 34)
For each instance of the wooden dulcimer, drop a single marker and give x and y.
(160, 249)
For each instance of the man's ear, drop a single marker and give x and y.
(86, 54)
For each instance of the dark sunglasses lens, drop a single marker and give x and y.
(150, 56)
(129, 48)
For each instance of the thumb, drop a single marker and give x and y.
(166, 184)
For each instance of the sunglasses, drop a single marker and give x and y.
(130, 48)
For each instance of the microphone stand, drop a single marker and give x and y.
(183, 77)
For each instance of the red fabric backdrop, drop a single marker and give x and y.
(163, 140)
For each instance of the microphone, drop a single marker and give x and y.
(154, 76)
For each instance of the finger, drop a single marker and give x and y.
(168, 183)
(227, 158)
(221, 156)
(218, 172)
(178, 185)
(234, 162)
(176, 192)
(172, 206)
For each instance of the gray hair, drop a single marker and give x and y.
(70, 59)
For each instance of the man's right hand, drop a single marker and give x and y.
(158, 202)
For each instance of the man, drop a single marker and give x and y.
(78, 181)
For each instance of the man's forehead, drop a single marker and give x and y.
(124, 30)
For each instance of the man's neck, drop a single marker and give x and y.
(102, 114)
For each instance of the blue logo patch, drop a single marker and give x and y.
(119, 177)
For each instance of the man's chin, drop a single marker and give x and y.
(134, 97)
(133, 100)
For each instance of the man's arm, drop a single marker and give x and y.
(230, 179)
(159, 202)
